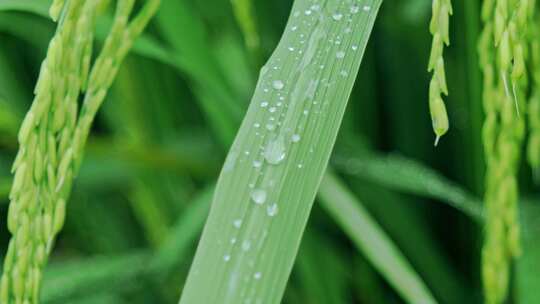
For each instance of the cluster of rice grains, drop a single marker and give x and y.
(54, 132)
(442, 9)
(504, 51)
(508, 50)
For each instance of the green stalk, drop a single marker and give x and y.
(266, 189)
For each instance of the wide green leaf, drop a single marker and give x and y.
(265, 192)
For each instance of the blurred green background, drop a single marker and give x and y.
(157, 146)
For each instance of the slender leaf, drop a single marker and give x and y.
(403, 174)
(266, 189)
(40, 7)
(70, 278)
(372, 241)
(529, 263)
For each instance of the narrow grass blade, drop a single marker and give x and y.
(69, 279)
(266, 189)
(322, 271)
(243, 11)
(39, 7)
(528, 264)
(403, 174)
(182, 234)
(372, 241)
(406, 224)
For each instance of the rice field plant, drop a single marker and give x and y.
(167, 151)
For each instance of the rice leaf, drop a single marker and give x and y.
(86, 276)
(266, 189)
(39, 7)
(404, 174)
(528, 264)
(372, 241)
(243, 11)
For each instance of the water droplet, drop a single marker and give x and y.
(354, 9)
(277, 84)
(307, 12)
(226, 258)
(340, 54)
(233, 240)
(295, 138)
(291, 49)
(257, 275)
(257, 125)
(366, 8)
(257, 163)
(315, 7)
(264, 104)
(274, 152)
(294, 28)
(272, 109)
(258, 196)
(237, 223)
(270, 127)
(337, 16)
(246, 245)
(272, 210)
(343, 73)
(354, 47)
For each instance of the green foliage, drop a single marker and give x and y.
(377, 232)
(286, 137)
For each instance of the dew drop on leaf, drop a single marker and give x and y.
(258, 196)
(337, 16)
(277, 84)
(274, 152)
(237, 223)
(272, 210)
(246, 245)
